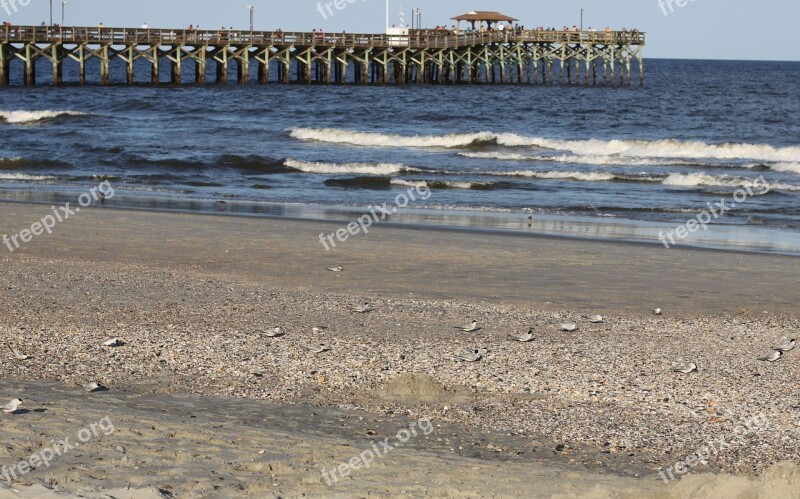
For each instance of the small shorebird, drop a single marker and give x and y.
(336, 269)
(657, 311)
(19, 355)
(473, 355)
(322, 347)
(773, 356)
(786, 347)
(569, 326)
(525, 338)
(690, 368)
(275, 333)
(361, 310)
(12, 406)
(318, 329)
(595, 319)
(93, 386)
(468, 329)
(113, 342)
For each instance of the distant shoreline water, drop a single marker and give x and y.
(633, 158)
(720, 238)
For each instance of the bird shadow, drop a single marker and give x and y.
(22, 412)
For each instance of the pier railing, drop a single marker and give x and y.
(416, 39)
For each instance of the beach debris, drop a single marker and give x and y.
(657, 311)
(12, 406)
(689, 368)
(113, 342)
(525, 338)
(786, 347)
(362, 310)
(322, 347)
(468, 329)
(92, 386)
(336, 269)
(773, 356)
(19, 355)
(595, 319)
(569, 326)
(473, 355)
(275, 333)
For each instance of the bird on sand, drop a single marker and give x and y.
(657, 311)
(361, 310)
(525, 338)
(19, 355)
(274, 333)
(12, 406)
(472, 355)
(786, 347)
(468, 329)
(322, 347)
(93, 386)
(689, 368)
(336, 269)
(569, 326)
(773, 356)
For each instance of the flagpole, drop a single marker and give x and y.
(387, 16)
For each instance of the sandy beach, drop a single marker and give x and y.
(204, 403)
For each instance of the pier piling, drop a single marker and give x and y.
(421, 57)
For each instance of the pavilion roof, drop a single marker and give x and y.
(484, 15)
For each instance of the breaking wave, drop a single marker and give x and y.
(702, 179)
(357, 168)
(23, 176)
(597, 150)
(575, 159)
(24, 117)
(371, 139)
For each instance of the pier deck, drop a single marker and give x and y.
(422, 56)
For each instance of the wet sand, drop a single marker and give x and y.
(592, 413)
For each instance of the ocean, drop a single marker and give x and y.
(611, 163)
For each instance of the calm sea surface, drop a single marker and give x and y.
(594, 162)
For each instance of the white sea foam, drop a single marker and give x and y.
(22, 117)
(463, 185)
(369, 139)
(702, 179)
(409, 183)
(584, 176)
(359, 168)
(23, 176)
(786, 167)
(574, 159)
(658, 148)
(601, 149)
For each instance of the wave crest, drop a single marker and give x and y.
(24, 117)
(357, 168)
(372, 139)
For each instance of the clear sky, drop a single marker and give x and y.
(701, 29)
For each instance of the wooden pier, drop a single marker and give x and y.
(423, 56)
